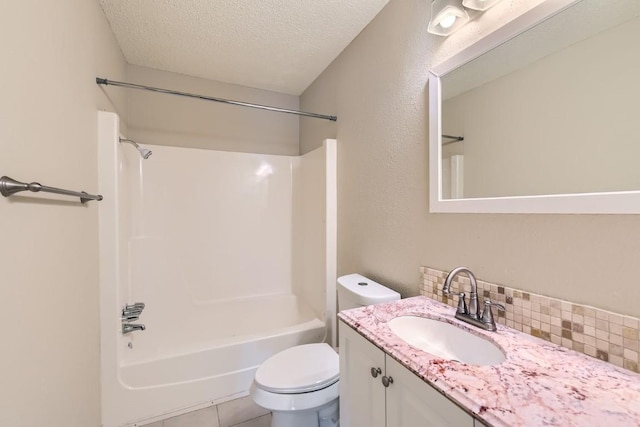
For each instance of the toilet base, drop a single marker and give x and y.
(328, 415)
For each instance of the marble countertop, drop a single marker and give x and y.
(539, 383)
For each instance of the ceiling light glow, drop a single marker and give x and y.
(447, 16)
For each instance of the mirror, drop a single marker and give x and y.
(541, 116)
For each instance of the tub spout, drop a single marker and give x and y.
(130, 327)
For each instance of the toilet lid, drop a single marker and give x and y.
(299, 369)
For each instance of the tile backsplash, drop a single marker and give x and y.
(608, 336)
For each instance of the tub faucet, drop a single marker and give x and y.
(471, 314)
(130, 327)
(132, 312)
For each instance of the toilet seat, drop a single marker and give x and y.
(301, 369)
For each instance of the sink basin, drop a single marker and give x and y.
(446, 341)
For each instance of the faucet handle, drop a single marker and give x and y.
(487, 314)
(489, 303)
(462, 304)
(130, 317)
(132, 312)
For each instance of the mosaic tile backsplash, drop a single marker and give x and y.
(607, 336)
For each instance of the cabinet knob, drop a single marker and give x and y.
(386, 381)
(375, 372)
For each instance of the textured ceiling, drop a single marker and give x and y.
(277, 45)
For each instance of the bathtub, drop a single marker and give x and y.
(230, 272)
(204, 366)
(225, 341)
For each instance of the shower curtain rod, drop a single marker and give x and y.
(102, 81)
(455, 139)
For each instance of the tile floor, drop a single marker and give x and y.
(235, 413)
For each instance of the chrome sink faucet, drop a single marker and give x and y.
(471, 314)
(472, 311)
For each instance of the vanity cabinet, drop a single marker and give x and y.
(377, 391)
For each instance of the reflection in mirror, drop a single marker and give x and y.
(553, 111)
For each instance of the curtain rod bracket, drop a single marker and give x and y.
(454, 138)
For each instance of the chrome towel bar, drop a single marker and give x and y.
(9, 186)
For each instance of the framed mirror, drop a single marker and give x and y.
(541, 116)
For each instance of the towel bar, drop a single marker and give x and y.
(9, 186)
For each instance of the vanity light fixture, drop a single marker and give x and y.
(447, 16)
(479, 4)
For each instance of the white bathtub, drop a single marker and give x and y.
(231, 271)
(203, 371)
(222, 342)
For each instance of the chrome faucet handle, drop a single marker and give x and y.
(489, 303)
(487, 314)
(462, 304)
(135, 306)
(132, 312)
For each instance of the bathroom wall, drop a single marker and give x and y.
(377, 87)
(185, 122)
(51, 54)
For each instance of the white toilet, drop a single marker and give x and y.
(299, 385)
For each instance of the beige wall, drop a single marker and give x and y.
(51, 54)
(172, 120)
(377, 87)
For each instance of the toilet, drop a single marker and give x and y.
(300, 385)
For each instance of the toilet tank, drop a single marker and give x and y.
(355, 291)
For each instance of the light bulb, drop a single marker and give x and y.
(448, 21)
(447, 16)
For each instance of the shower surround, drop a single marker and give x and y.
(233, 255)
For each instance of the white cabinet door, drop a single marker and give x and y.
(413, 403)
(406, 402)
(362, 400)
